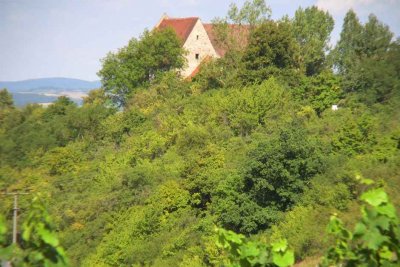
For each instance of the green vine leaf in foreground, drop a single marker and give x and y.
(376, 237)
(39, 245)
(242, 252)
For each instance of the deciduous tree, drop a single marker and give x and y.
(139, 62)
(312, 28)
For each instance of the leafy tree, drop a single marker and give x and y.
(304, 229)
(361, 54)
(85, 122)
(312, 28)
(349, 47)
(232, 36)
(252, 13)
(6, 100)
(6, 105)
(255, 106)
(145, 185)
(377, 37)
(213, 74)
(96, 97)
(60, 106)
(236, 210)
(272, 49)
(138, 63)
(279, 169)
(375, 80)
(355, 136)
(320, 91)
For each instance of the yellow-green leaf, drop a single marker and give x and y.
(375, 197)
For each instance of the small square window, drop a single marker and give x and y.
(197, 56)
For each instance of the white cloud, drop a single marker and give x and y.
(340, 6)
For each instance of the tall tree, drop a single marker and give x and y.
(6, 100)
(377, 37)
(363, 58)
(6, 104)
(349, 48)
(312, 28)
(278, 170)
(252, 13)
(272, 49)
(358, 41)
(232, 35)
(139, 62)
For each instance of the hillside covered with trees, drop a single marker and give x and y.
(145, 170)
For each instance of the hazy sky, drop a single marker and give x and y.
(67, 38)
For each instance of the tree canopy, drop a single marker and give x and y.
(140, 62)
(312, 28)
(249, 152)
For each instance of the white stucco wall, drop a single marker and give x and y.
(197, 45)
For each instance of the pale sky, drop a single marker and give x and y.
(67, 38)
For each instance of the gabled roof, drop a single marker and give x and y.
(239, 32)
(182, 26)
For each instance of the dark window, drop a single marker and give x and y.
(197, 56)
(197, 37)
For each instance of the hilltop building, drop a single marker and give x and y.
(197, 38)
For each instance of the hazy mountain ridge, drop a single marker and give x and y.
(45, 90)
(52, 84)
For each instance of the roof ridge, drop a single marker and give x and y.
(182, 18)
(182, 26)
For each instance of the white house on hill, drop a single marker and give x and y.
(197, 38)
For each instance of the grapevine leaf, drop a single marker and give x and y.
(374, 239)
(3, 228)
(27, 232)
(37, 256)
(264, 258)
(388, 210)
(280, 245)
(233, 237)
(360, 229)
(249, 250)
(283, 259)
(375, 197)
(385, 253)
(383, 222)
(335, 225)
(48, 237)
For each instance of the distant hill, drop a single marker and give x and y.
(50, 84)
(47, 90)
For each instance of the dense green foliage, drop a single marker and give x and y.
(272, 50)
(251, 13)
(39, 245)
(250, 145)
(140, 62)
(312, 28)
(248, 253)
(376, 238)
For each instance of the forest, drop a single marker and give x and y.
(245, 164)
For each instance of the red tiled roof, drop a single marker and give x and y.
(239, 32)
(182, 26)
